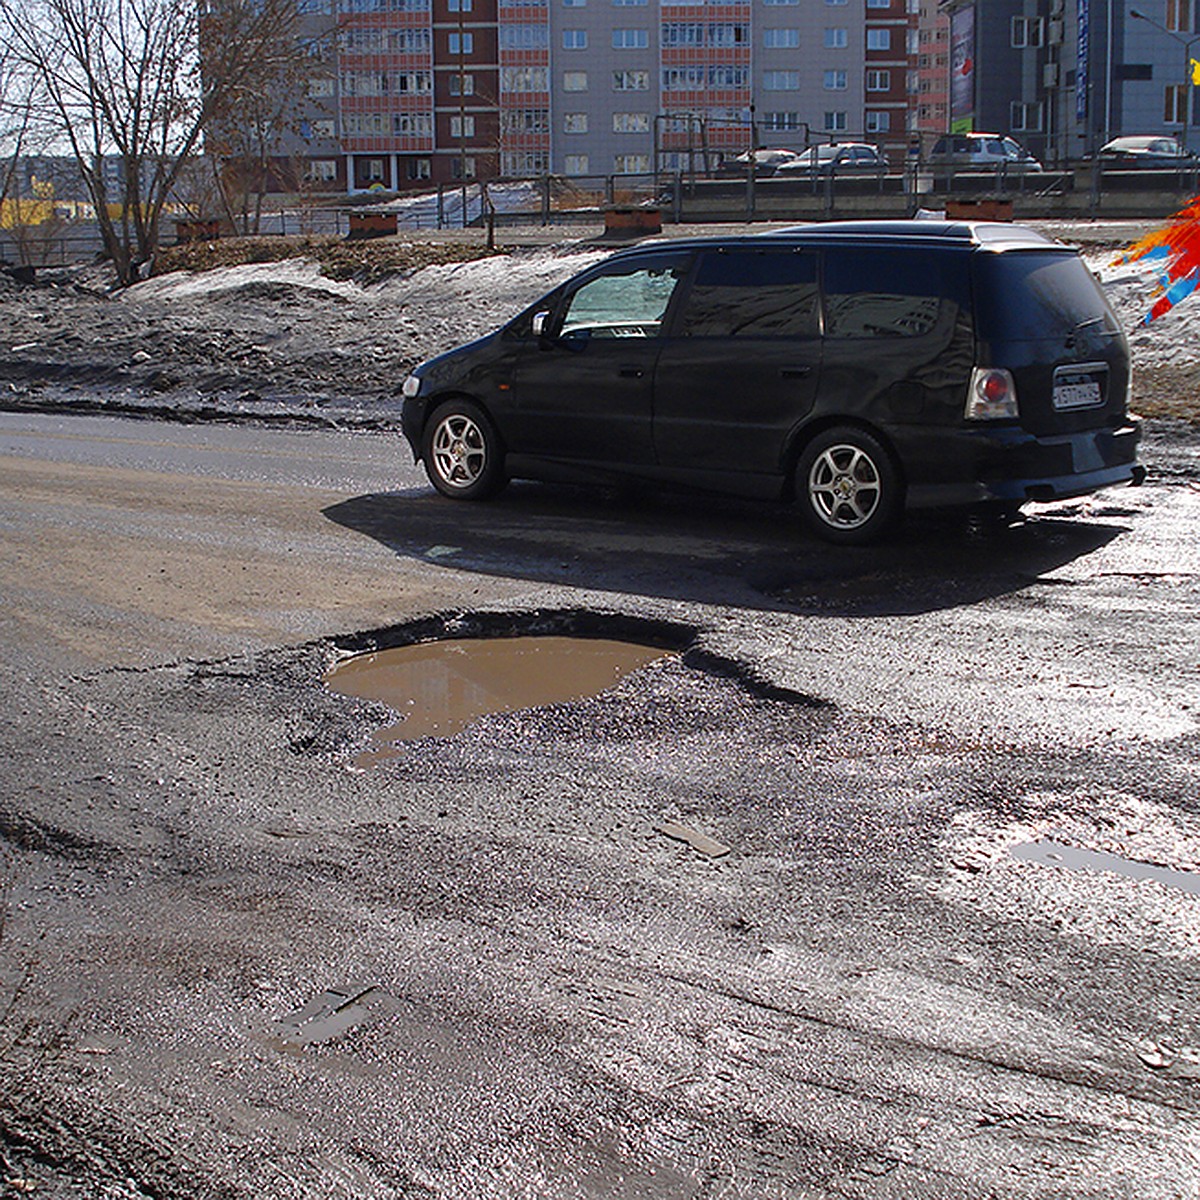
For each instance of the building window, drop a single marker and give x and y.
(320, 87)
(878, 122)
(683, 79)
(630, 3)
(781, 122)
(724, 77)
(463, 167)
(836, 39)
(630, 39)
(835, 81)
(631, 81)
(682, 33)
(574, 3)
(1025, 31)
(1025, 117)
(418, 168)
(879, 39)
(631, 122)
(575, 81)
(575, 164)
(781, 81)
(728, 33)
(1179, 15)
(835, 122)
(524, 37)
(462, 127)
(779, 3)
(524, 79)
(879, 3)
(525, 120)
(462, 43)
(323, 128)
(464, 85)
(460, 5)
(409, 124)
(631, 164)
(879, 81)
(322, 170)
(524, 162)
(575, 123)
(574, 39)
(781, 39)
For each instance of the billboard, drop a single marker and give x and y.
(1081, 66)
(962, 69)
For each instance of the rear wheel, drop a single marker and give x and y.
(462, 452)
(848, 487)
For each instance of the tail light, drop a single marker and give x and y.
(992, 395)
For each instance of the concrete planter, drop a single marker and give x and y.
(980, 209)
(372, 224)
(629, 220)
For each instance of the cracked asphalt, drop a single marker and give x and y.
(233, 965)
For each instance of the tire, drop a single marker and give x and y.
(848, 487)
(462, 453)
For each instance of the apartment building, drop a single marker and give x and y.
(418, 91)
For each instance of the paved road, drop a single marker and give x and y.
(232, 964)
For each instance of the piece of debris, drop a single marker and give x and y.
(700, 842)
(1154, 1056)
(330, 1014)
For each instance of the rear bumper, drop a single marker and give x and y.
(1010, 465)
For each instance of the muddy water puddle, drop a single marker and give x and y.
(1057, 854)
(439, 688)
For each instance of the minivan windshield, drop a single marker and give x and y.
(1057, 293)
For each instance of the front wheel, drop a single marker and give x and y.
(848, 487)
(462, 452)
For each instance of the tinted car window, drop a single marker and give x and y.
(1057, 293)
(897, 294)
(628, 300)
(752, 294)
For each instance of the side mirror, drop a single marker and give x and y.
(540, 321)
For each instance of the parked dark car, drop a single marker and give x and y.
(840, 158)
(766, 163)
(855, 368)
(1150, 153)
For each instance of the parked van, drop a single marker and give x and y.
(856, 368)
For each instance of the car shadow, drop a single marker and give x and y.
(716, 551)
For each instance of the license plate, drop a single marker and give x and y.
(1077, 391)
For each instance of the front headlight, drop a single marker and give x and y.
(412, 387)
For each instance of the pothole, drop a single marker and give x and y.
(439, 688)
(1057, 854)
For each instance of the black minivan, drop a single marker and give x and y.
(856, 368)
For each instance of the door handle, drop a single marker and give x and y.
(795, 372)
(631, 372)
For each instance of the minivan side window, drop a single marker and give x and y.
(752, 293)
(894, 293)
(627, 300)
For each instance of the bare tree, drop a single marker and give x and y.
(128, 87)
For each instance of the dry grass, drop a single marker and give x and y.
(1167, 392)
(362, 260)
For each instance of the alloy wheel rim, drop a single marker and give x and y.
(459, 451)
(844, 487)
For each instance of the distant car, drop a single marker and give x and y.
(964, 151)
(837, 158)
(1132, 153)
(766, 162)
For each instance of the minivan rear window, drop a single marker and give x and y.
(1028, 295)
(893, 294)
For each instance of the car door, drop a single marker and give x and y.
(582, 391)
(742, 366)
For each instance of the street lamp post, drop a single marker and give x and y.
(1187, 44)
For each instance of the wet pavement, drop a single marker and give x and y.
(757, 920)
